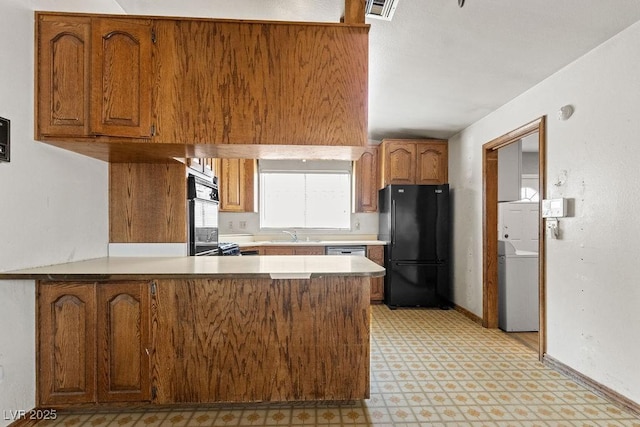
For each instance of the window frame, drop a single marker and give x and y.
(302, 167)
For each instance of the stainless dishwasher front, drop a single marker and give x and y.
(346, 250)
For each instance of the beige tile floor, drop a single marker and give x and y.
(428, 368)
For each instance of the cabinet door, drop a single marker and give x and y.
(376, 254)
(66, 343)
(279, 250)
(366, 181)
(309, 250)
(400, 163)
(236, 182)
(63, 76)
(431, 163)
(121, 77)
(123, 342)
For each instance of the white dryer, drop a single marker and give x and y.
(518, 303)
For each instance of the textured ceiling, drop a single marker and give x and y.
(436, 68)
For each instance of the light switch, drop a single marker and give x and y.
(4, 140)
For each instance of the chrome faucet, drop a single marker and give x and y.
(294, 236)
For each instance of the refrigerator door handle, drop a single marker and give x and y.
(393, 222)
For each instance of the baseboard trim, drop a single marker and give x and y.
(594, 386)
(468, 314)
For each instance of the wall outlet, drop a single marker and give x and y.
(230, 225)
(243, 225)
(553, 228)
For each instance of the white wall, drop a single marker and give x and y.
(53, 207)
(593, 293)
(249, 223)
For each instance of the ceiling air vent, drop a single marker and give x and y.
(381, 9)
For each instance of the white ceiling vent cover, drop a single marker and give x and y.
(381, 9)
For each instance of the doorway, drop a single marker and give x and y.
(490, 304)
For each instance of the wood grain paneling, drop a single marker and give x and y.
(432, 166)
(366, 181)
(414, 161)
(261, 340)
(237, 181)
(147, 203)
(490, 241)
(66, 343)
(309, 250)
(278, 250)
(399, 163)
(354, 11)
(376, 254)
(123, 311)
(271, 89)
(293, 250)
(121, 77)
(143, 152)
(225, 82)
(63, 70)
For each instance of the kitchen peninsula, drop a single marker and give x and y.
(176, 330)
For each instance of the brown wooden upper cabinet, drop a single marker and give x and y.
(237, 184)
(413, 161)
(366, 181)
(261, 83)
(198, 85)
(93, 77)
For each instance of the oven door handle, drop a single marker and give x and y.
(211, 252)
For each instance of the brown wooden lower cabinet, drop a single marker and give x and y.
(213, 340)
(75, 319)
(293, 250)
(249, 340)
(123, 342)
(66, 343)
(376, 254)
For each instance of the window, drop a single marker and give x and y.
(299, 194)
(529, 189)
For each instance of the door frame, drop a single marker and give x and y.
(490, 225)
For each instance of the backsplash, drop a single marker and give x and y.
(249, 223)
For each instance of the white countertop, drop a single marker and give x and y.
(144, 268)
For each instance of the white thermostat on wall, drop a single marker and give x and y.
(554, 208)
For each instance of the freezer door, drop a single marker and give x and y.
(409, 284)
(419, 222)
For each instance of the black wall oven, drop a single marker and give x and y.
(202, 201)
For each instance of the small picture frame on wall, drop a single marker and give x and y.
(5, 140)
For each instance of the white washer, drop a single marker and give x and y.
(518, 302)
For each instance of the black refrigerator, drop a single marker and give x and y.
(414, 221)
